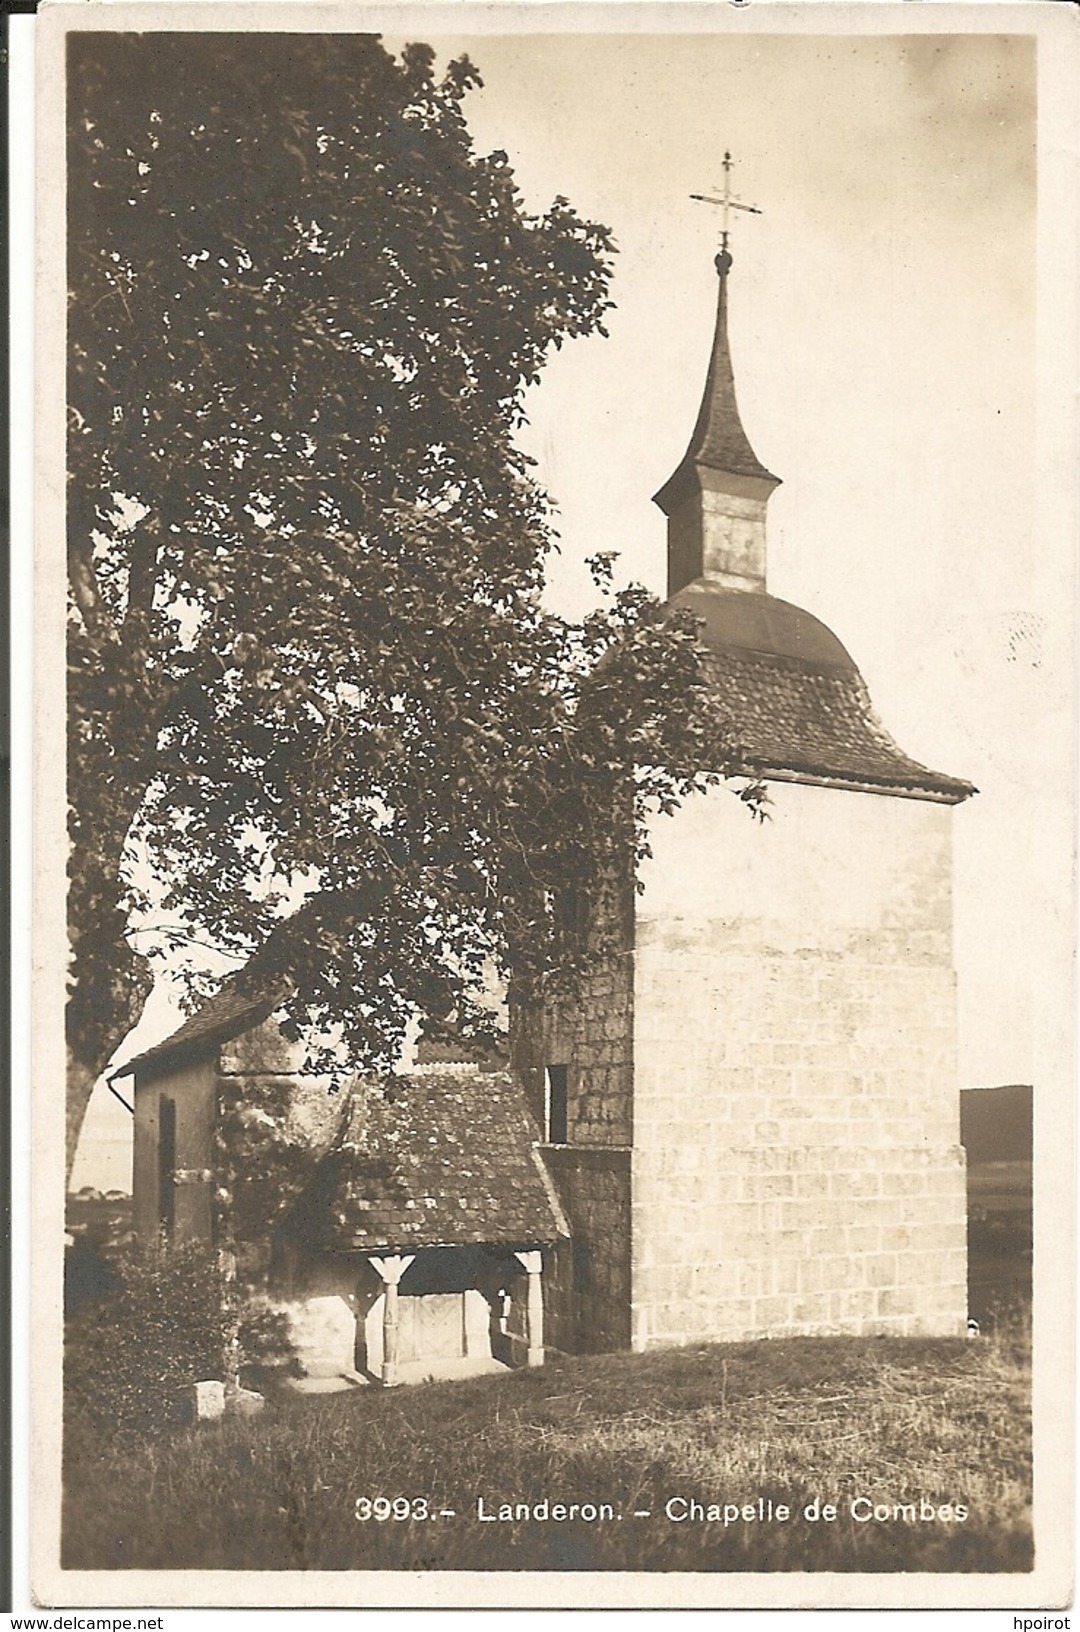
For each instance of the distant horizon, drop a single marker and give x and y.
(107, 1151)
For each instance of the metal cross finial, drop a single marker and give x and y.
(726, 201)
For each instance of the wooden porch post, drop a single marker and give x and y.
(390, 1270)
(532, 1263)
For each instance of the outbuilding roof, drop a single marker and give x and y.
(434, 1161)
(236, 1008)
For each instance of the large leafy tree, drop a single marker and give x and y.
(308, 659)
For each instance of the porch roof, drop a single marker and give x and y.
(434, 1161)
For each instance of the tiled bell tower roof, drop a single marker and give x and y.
(800, 707)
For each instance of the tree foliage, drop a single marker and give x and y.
(308, 657)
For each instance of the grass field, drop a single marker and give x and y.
(830, 1420)
(878, 1423)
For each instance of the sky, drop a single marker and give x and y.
(883, 331)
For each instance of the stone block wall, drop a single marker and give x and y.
(808, 1240)
(592, 1034)
(797, 1166)
(587, 1280)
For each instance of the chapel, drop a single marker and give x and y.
(746, 1122)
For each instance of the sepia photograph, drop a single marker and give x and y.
(555, 704)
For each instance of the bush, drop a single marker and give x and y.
(130, 1359)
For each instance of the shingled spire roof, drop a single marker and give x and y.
(719, 441)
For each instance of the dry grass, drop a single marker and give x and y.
(830, 1419)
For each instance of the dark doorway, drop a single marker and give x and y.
(167, 1165)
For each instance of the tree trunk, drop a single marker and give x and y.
(80, 1085)
(106, 1001)
(110, 983)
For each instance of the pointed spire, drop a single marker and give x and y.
(719, 440)
(715, 499)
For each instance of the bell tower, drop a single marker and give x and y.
(758, 1109)
(715, 499)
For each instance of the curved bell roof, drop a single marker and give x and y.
(799, 703)
(760, 622)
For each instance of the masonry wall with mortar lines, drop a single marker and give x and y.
(797, 1165)
(587, 1279)
(587, 1283)
(592, 1033)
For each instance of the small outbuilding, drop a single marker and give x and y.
(414, 1245)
